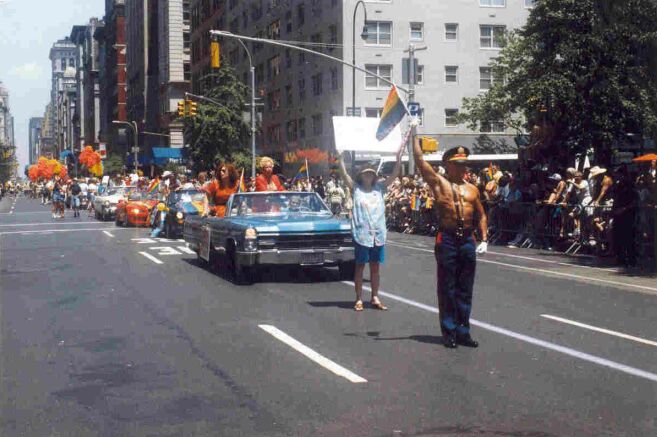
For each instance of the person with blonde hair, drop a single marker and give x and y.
(267, 180)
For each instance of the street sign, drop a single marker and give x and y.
(353, 111)
(414, 108)
(102, 150)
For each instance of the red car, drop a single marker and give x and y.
(135, 210)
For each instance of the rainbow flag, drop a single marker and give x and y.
(154, 186)
(302, 173)
(393, 113)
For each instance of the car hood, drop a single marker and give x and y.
(140, 204)
(292, 223)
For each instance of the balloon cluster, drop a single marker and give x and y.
(47, 168)
(91, 159)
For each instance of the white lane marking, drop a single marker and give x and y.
(531, 340)
(312, 355)
(144, 240)
(549, 272)
(151, 257)
(10, 225)
(57, 230)
(33, 212)
(165, 251)
(529, 258)
(602, 330)
(185, 249)
(108, 234)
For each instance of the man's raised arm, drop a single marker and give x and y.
(428, 173)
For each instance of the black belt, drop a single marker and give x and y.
(458, 233)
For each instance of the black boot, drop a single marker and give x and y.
(467, 341)
(449, 342)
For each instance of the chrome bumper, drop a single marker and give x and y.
(294, 257)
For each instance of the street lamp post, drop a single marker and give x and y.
(132, 125)
(353, 68)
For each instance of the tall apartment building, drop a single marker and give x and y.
(111, 40)
(6, 119)
(302, 92)
(47, 144)
(63, 56)
(35, 139)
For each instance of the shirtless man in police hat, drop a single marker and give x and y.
(460, 213)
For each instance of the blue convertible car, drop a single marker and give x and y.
(273, 228)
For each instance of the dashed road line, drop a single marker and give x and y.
(601, 330)
(108, 234)
(151, 257)
(312, 355)
(56, 230)
(531, 340)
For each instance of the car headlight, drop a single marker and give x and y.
(250, 240)
(135, 211)
(179, 215)
(107, 203)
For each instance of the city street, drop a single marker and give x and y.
(106, 332)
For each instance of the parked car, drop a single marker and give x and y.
(273, 229)
(181, 205)
(135, 210)
(105, 204)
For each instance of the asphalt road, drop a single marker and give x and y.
(105, 332)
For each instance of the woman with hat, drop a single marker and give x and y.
(368, 227)
(600, 184)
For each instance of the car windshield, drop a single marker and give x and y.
(278, 204)
(187, 196)
(140, 195)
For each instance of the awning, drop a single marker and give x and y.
(65, 154)
(162, 155)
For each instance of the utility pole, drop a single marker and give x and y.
(412, 78)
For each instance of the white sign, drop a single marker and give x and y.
(359, 134)
(102, 150)
(205, 243)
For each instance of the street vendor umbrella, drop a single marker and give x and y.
(646, 158)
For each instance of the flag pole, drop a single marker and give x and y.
(307, 171)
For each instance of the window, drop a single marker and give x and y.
(318, 127)
(487, 78)
(530, 3)
(451, 32)
(273, 66)
(373, 112)
(289, 98)
(379, 33)
(71, 62)
(492, 3)
(492, 126)
(333, 36)
(334, 79)
(288, 21)
(301, 59)
(63, 64)
(292, 130)
(451, 74)
(317, 84)
(274, 133)
(490, 37)
(450, 117)
(372, 82)
(417, 31)
(302, 127)
(275, 30)
(288, 58)
(302, 89)
(274, 100)
(301, 14)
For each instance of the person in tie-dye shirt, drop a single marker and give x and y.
(368, 227)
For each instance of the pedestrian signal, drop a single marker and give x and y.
(428, 144)
(182, 108)
(215, 54)
(192, 108)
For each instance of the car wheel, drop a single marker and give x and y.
(117, 222)
(126, 223)
(347, 271)
(167, 230)
(243, 275)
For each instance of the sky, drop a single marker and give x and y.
(28, 28)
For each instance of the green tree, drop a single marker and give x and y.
(113, 165)
(580, 75)
(219, 132)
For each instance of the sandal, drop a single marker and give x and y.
(378, 305)
(359, 306)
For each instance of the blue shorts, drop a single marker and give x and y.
(364, 254)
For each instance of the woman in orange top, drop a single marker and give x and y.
(225, 183)
(267, 180)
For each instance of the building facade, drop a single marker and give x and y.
(63, 58)
(35, 127)
(6, 119)
(302, 92)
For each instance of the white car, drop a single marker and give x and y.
(105, 204)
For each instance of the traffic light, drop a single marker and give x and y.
(192, 108)
(182, 108)
(215, 54)
(428, 144)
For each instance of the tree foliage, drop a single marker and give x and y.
(219, 132)
(579, 75)
(113, 165)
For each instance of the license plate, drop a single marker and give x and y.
(312, 258)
